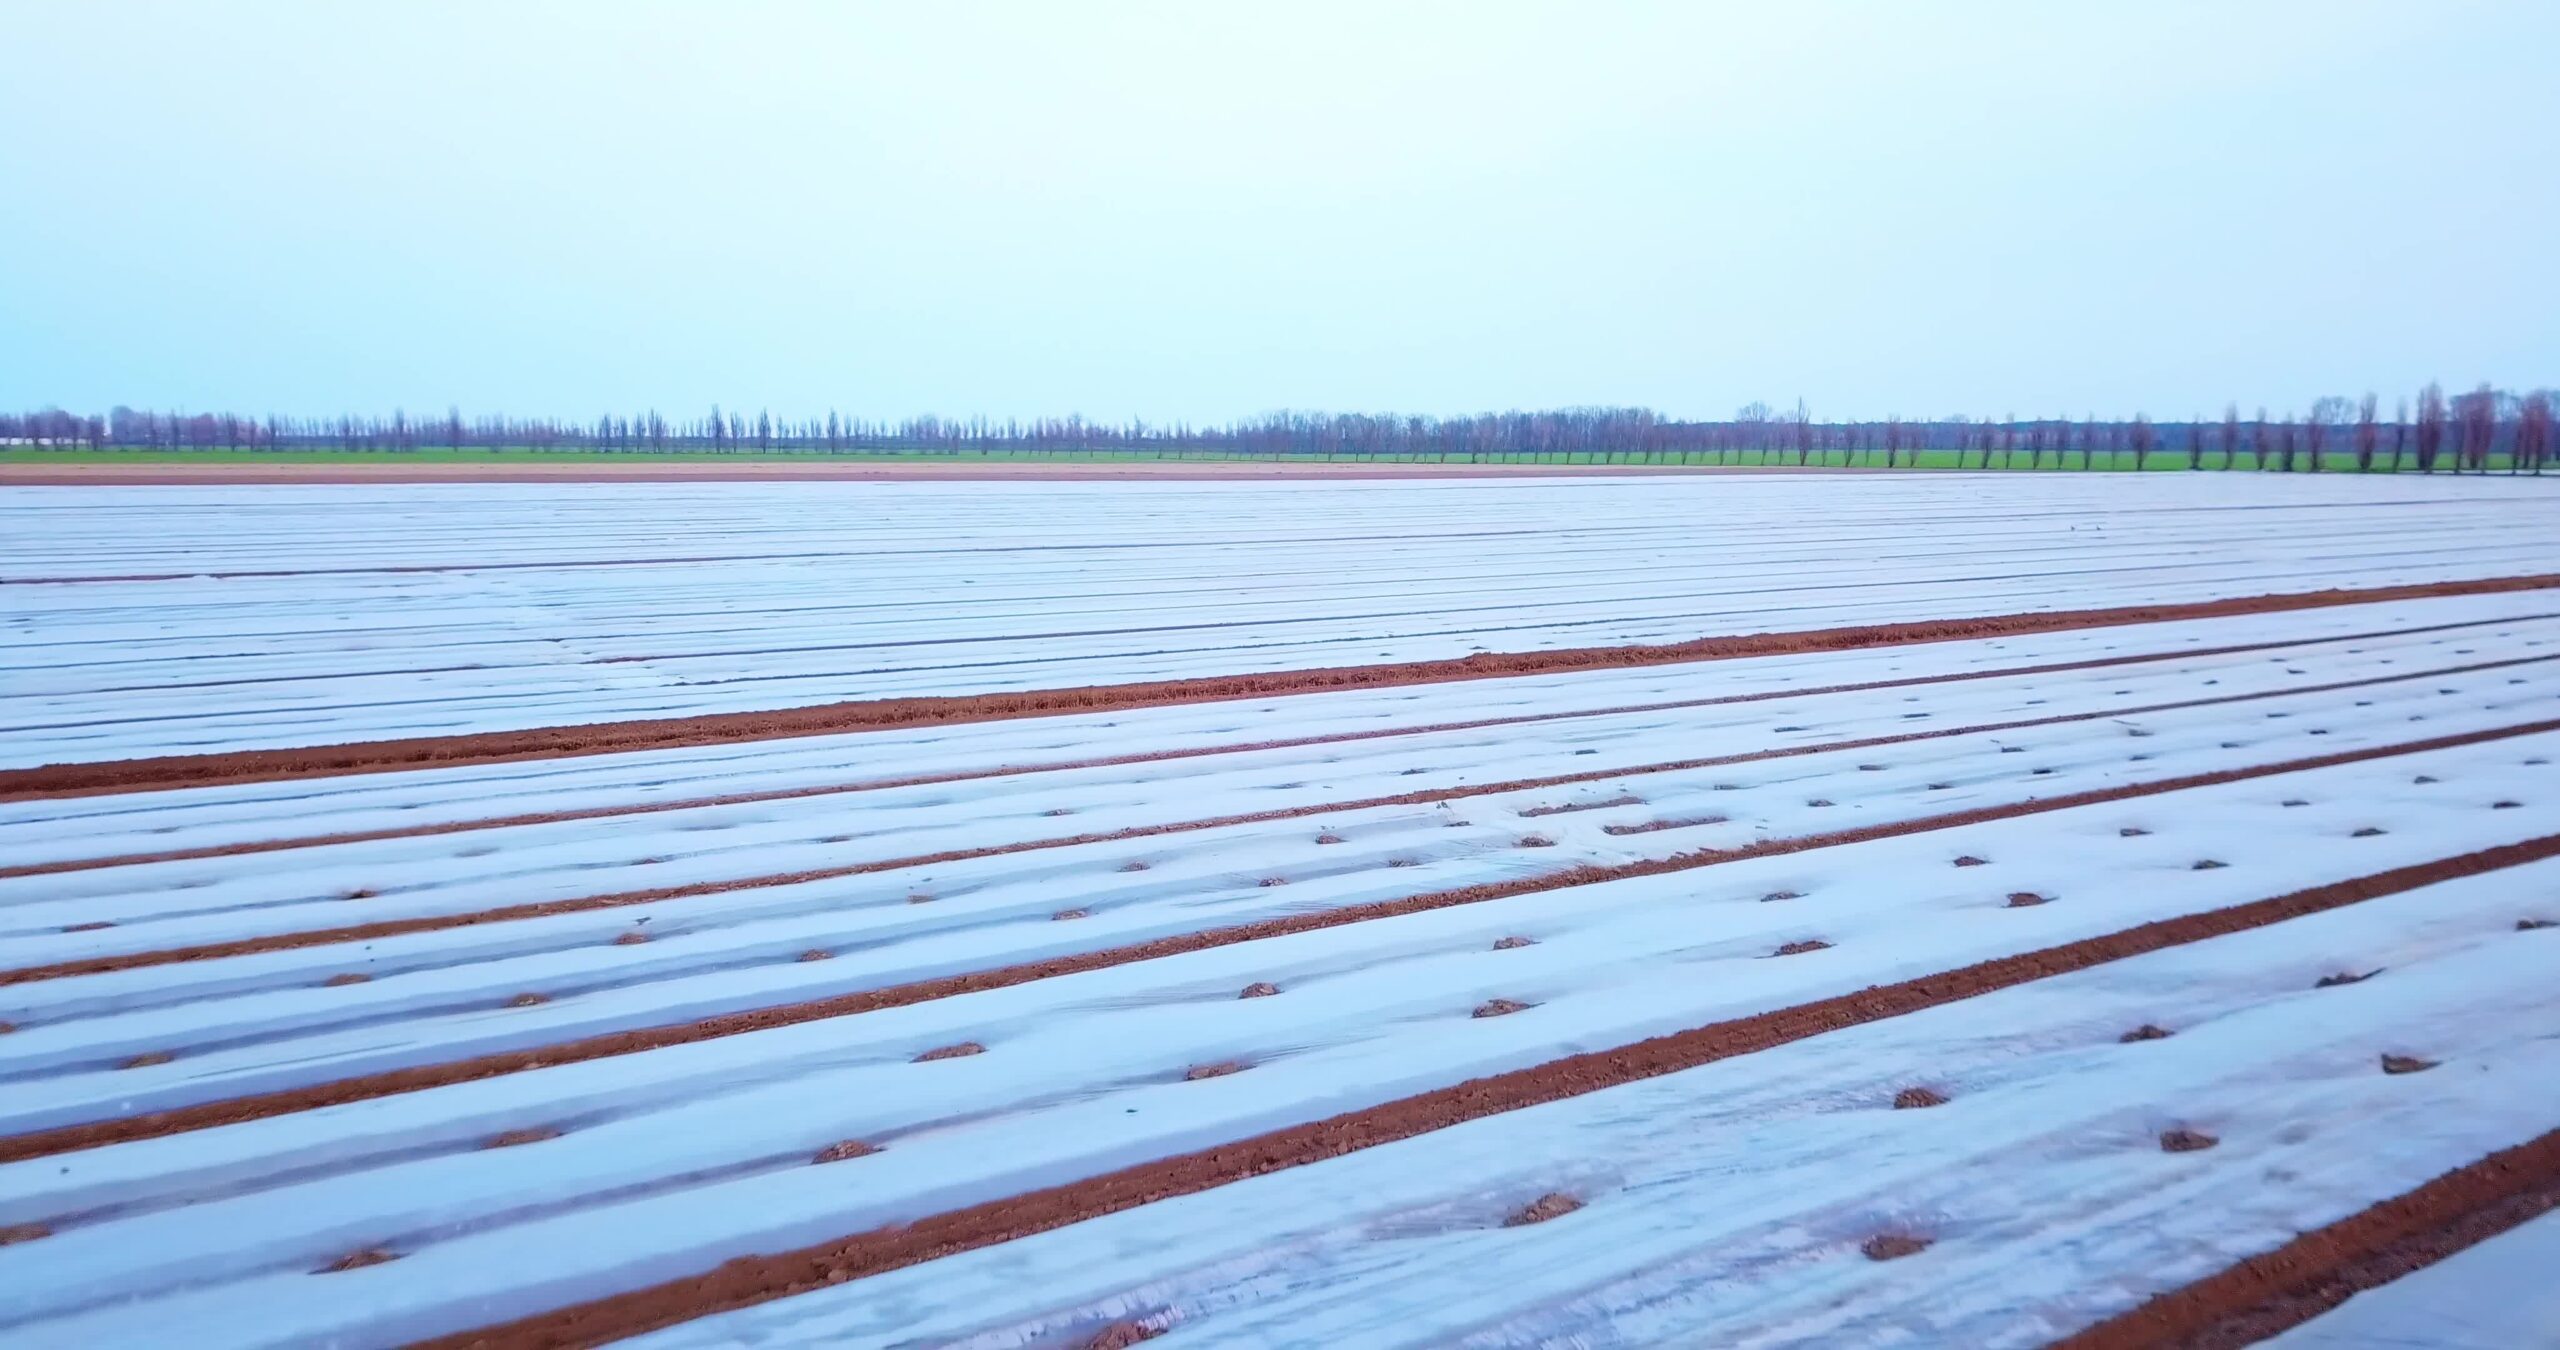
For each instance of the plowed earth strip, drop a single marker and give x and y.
(1197, 752)
(2278, 1290)
(756, 1279)
(321, 937)
(180, 1120)
(168, 771)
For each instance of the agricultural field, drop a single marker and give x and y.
(1758, 910)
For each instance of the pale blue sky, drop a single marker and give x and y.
(1207, 210)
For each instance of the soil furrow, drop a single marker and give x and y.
(320, 937)
(2275, 1291)
(755, 1279)
(367, 1087)
(1234, 748)
(421, 752)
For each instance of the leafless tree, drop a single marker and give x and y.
(2430, 426)
(2368, 436)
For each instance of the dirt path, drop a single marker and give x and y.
(252, 766)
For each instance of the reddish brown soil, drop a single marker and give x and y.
(1552, 1205)
(1800, 948)
(147, 1059)
(1918, 1098)
(844, 1150)
(1656, 826)
(816, 954)
(2145, 1032)
(348, 978)
(528, 1000)
(2025, 899)
(1514, 941)
(961, 1051)
(1078, 913)
(423, 752)
(2406, 1064)
(1218, 1070)
(1536, 841)
(1122, 1335)
(1259, 989)
(1567, 808)
(2186, 1141)
(367, 1087)
(512, 1138)
(755, 1279)
(1328, 839)
(1133, 866)
(1969, 860)
(2281, 1289)
(631, 939)
(358, 1260)
(1893, 1246)
(1499, 1007)
(11, 1234)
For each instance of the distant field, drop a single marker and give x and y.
(2158, 462)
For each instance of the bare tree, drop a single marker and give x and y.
(2230, 432)
(2367, 435)
(2476, 415)
(2140, 435)
(2533, 432)
(2430, 426)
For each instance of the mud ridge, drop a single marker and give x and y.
(2281, 1289)
(755, 1279)
(320, 937)
(179, 1120)
(662, 733)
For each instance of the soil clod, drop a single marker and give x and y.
(961, 1051)
(2025, 899)
(1218, 1070)
(87, 927)
(528, 1000)
(843, 1150)
(1969, 860)
(1122, 1335)
(2504, 806)
(358, 1260)
(1552, 1205)
(2145, 1032)
(11, 1234)
(1500, 1007)
(2528, 925)
(1268, 882)
(815, 954)
(341, 981)
(2406, 1064)
(1328, 839)
(511, 1138)
(2186, 1141)
(2207, 864)
(1800, 947)
(1259, 989)
(1085, 913)
(1133, 865)
(1515, 940)
(1892, 1246)
(147, 1059)
(631, 939)
(1536, 841)
(1782, 895)
(1918, 1098)
(2342, 977)
(2367, 832)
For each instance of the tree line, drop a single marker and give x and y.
(2479, 431)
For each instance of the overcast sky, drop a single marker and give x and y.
(1207, 210)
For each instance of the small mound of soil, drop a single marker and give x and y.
(343, 980)
(1085, 913)
(2145, 1032)
(7, 1027)
(2504, 806)
(2131, 832)
(843, 1150)
(511, 1138)
(1892, 1246)
(1328, 839)
(2013, 749)
(1782, 895)
(87, 927)
(1458, 824)
(1969, 860)
(2528, 925)
(1059, 811)
(1122, 1335)
(1552, 1205)
(528, 1000)
(2366, 833)
(919, 898)
(1259, 989)
(1622, 799)
(961, 1051)
(2024, 899)
(1918, 1098)
(1218, 1070)
(2422, 780)
(1133, 865)
(631, 939)
(1819, 801)
(1515, 940)
(358, 893)
(1404, 862)
(2293, 801)
(1940, 787)
(2406, 1064)
(1500, 1007)
(2186, 1141)
(147, 1059)
(816, 954)
(1268, 882)
(2207, 864)
(1656, 826)
(2333, 981)
(11, 1234)
(1800, 947)
(1536, 841)
(1871, 768)
(358, 1260)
